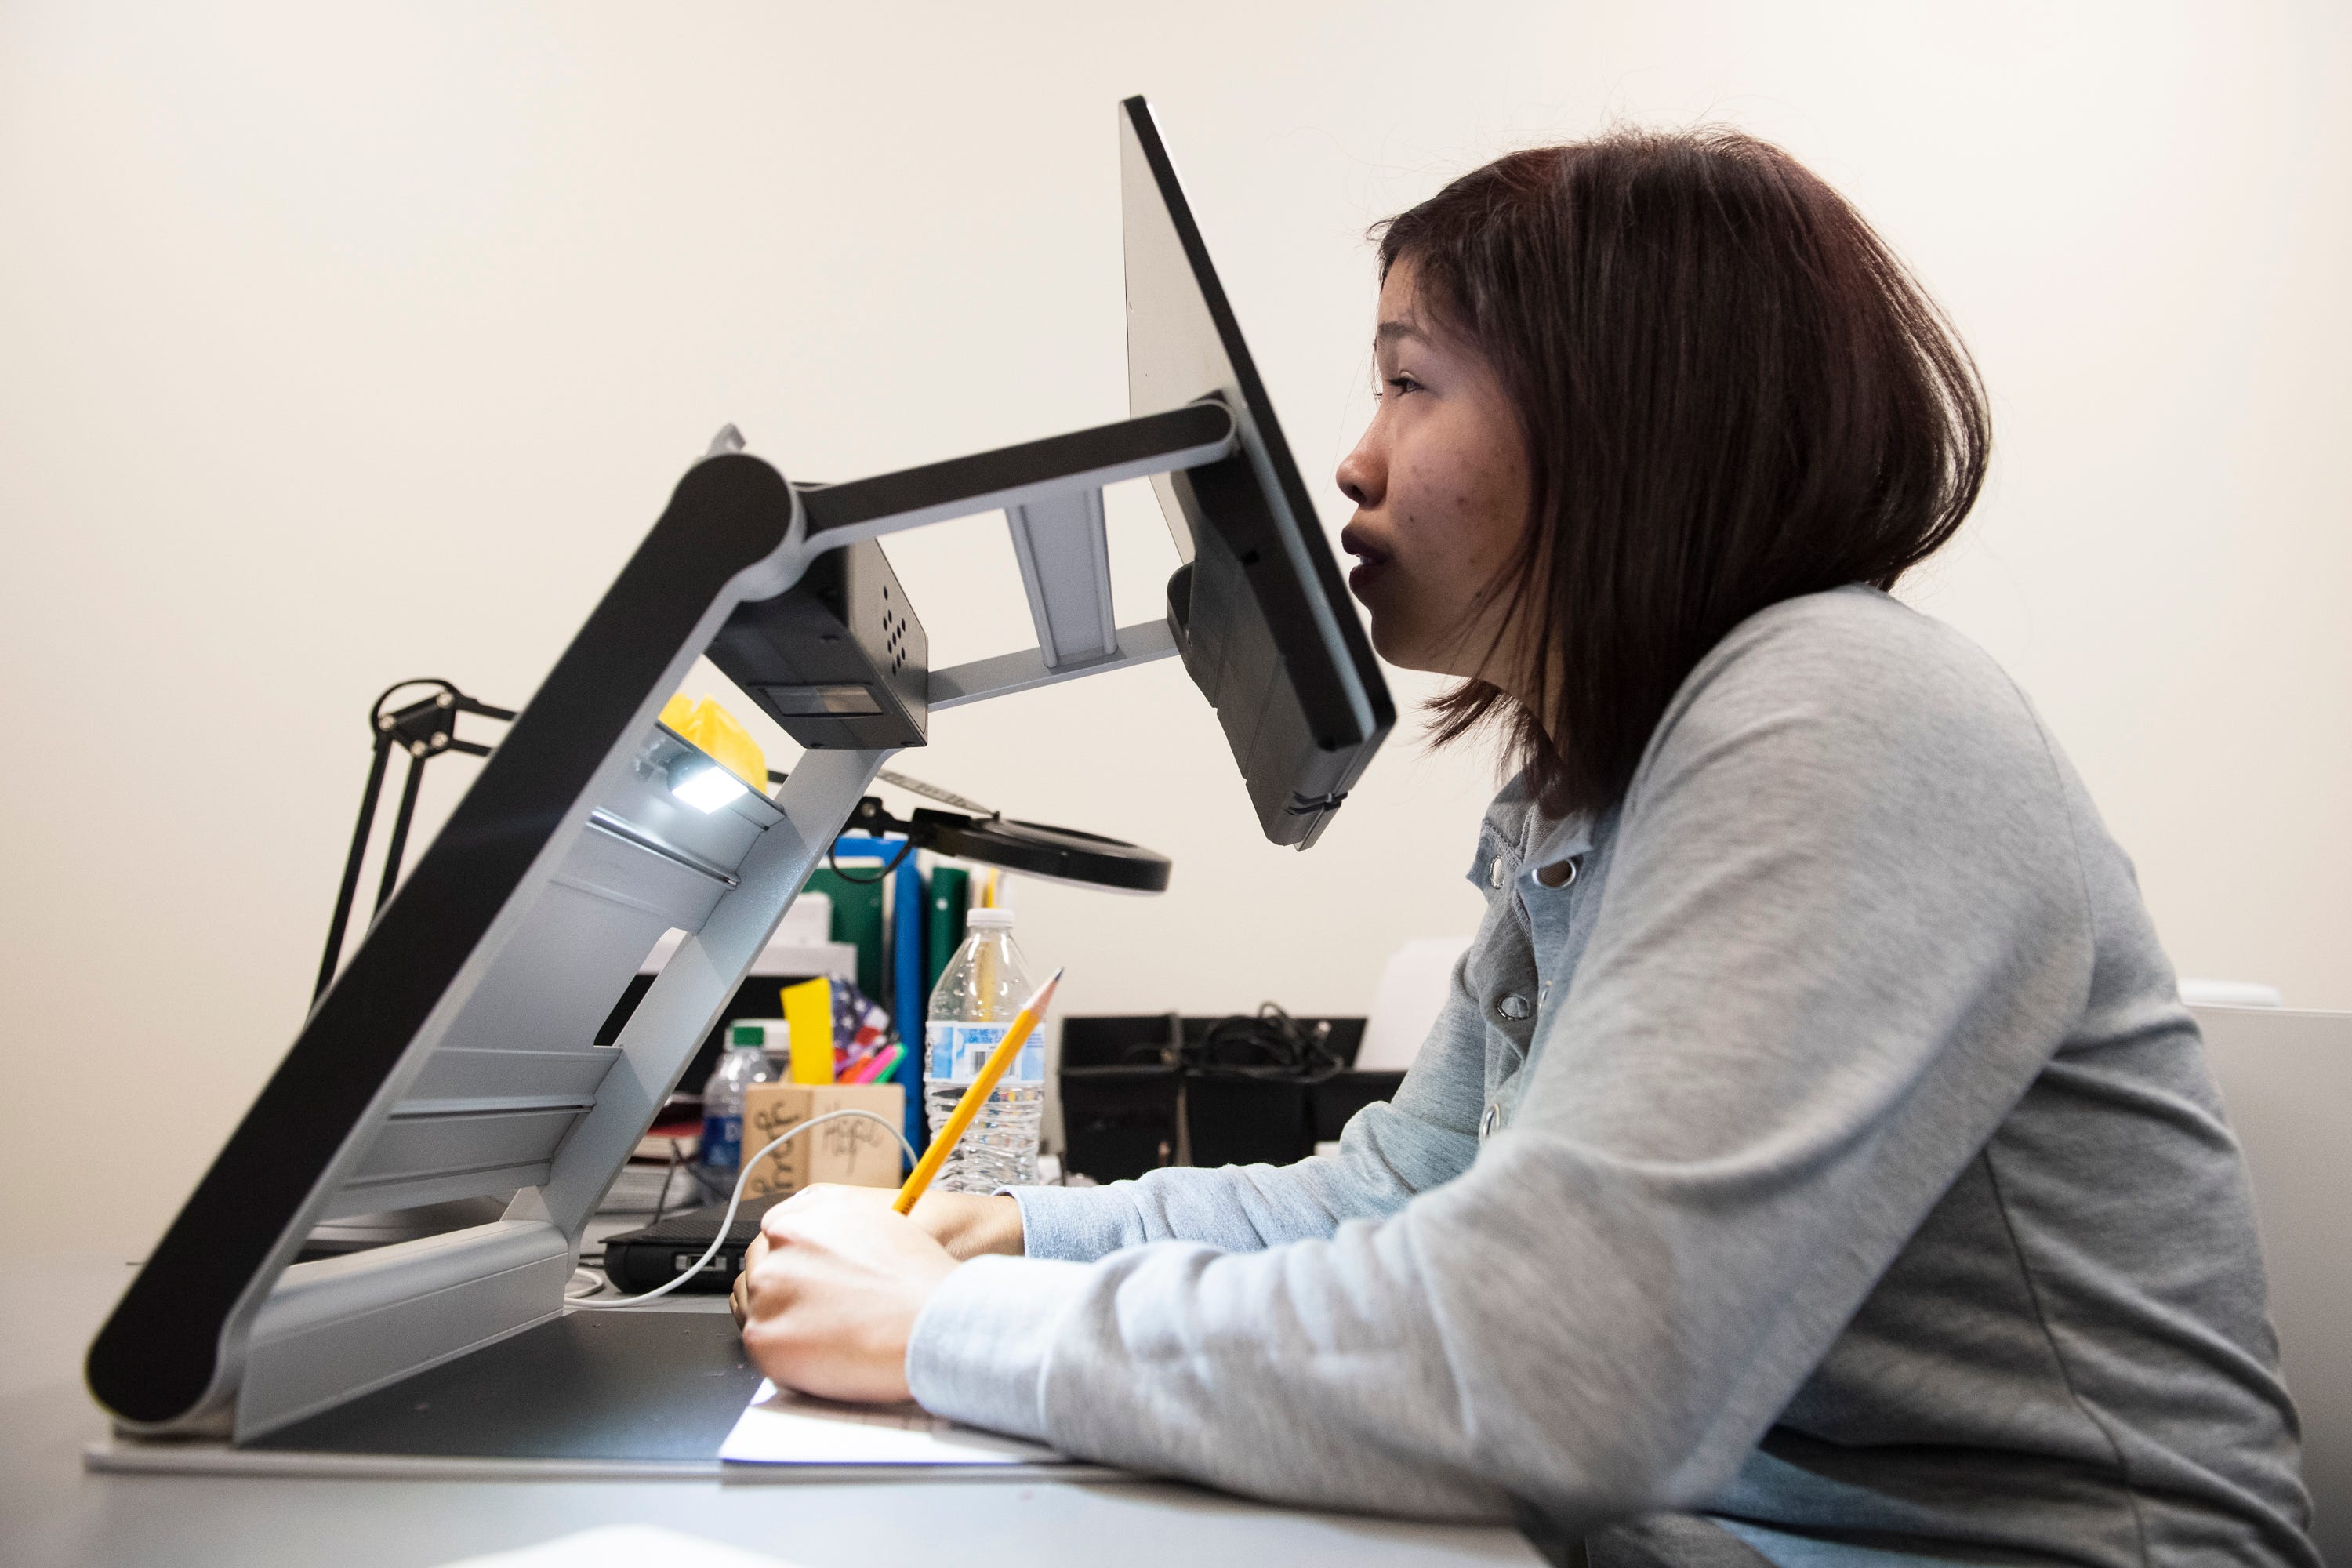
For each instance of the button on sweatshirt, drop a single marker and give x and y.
(1825, 1172)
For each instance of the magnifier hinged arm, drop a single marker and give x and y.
(452, 1056)
(1050, 492)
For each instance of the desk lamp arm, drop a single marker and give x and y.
(425, 730)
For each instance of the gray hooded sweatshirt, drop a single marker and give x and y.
(1828, 1173)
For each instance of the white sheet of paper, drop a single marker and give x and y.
(781, 1428)
(625, 1546)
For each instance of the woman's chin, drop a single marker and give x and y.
(1391, 643)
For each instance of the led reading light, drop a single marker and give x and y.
(703, 784)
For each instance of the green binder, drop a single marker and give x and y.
(949, 896)
(856, 917)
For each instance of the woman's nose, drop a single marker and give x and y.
(1361, 474)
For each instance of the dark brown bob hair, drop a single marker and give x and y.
(1731, 393)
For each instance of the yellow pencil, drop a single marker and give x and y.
(943, 1141)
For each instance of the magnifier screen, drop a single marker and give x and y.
(1259, 607)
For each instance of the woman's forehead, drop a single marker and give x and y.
(1400, 298)
(1401, 319)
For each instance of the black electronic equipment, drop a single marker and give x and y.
(839, 659)
(651, 1256)
(455, 1055)
(1260, 611)
(1140, 1092)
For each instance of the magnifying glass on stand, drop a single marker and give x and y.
(1030, 848)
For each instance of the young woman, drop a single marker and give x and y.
(1814, 1162)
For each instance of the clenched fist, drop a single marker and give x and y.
(832, 1286)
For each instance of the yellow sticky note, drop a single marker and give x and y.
(808, 1010)
(703, 722)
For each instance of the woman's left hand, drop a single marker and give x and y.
(830, 1290)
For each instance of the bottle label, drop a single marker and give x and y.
(954, 1053)
(722, 1142)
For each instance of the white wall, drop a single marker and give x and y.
(339, 343)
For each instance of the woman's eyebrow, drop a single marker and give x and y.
(1391, 331)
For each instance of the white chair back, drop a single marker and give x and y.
(2287, 1083)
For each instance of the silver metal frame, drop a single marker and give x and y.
(500, 1090)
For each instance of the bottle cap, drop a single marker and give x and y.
(988, 919)
(741, 1035)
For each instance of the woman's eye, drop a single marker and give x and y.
(1403, 384)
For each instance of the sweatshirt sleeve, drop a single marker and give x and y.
(1843, 927)
(1388, 1152)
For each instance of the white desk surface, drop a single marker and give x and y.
(53, 1512)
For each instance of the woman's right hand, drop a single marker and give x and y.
(970, 1224)
(966, 1224)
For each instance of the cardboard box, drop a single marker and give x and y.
(852, 1151)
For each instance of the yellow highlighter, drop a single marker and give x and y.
(943, 1142)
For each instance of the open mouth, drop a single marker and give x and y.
(1371, 560)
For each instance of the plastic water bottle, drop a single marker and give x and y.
(971, 1007)
(719, 1156)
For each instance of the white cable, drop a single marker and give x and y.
(727, 1223)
